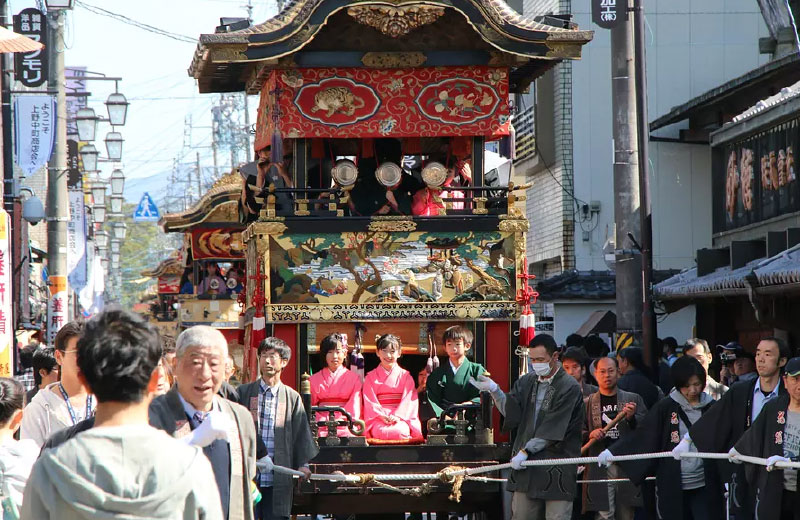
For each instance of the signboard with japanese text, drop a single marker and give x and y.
(31, 68)
(34, 131)
(75, 84)
(76, 241)
(56, 307)
(608, 13)
(6, 322)
(755, 179)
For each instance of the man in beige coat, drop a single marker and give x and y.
(200, 371)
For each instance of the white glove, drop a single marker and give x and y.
(772, 460)
(604, 459)
(733, 456)
(483, 383)
(683, 447)
(215, 427)
(518, 459)
(264, 464)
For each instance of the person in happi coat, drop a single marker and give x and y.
(775, 436)
(449, 383)
(192, 406)
(335, 385)
(725, 423)
(686, 488)
(545, 408)
(282, 425)
(391, 406)
(611, 500)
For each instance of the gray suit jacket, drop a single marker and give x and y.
(294, 445)
(167, 413)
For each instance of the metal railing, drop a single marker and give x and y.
(525, 128)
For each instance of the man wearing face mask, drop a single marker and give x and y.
(546, 409)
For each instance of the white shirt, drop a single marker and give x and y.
(759, 398)
(454, 368)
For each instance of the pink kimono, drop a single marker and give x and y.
(391, 393)
(340, 388)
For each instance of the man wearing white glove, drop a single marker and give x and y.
(775, 436)
(214, 427)
(193, 411)
(545, 407)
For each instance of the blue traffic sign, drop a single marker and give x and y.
(146, 211)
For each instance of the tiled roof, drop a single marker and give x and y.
(586, 285)
(783, 96)
(783, 268)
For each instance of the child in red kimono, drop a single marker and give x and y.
(391, 407)
(335, 385)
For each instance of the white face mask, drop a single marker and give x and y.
(540, 369)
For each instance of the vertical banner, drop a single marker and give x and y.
(76, 83)
(6, 322)
(56, 307)
(76, 241)
(34, 131)
(91, 296)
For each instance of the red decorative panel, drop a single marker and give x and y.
(169, 284)
(369, 103)
(217, 243)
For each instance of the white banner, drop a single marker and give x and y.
(91, 296)
(34, 131)
(6, 323)
(76, 241)
(56, 307)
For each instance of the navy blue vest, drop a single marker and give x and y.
(219, 456)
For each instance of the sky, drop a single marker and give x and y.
(153, 68)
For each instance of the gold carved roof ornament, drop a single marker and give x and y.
(397, 224)
(218, 204)
(395, 21)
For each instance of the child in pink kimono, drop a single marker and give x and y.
(391, 407)
(335, 385)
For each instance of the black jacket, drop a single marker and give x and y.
(638, 383)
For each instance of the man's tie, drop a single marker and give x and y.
(199, 417)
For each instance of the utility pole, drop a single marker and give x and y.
(649, 326)
(199, 177)
(626, 178)
(57, 203)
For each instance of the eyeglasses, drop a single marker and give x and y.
(272, 355)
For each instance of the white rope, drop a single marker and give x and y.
(469, 472)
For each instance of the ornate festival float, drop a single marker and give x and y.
(373, 207)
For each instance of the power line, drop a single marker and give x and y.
(126, 20)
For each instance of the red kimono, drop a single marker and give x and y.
(391, 393)
(340, 388)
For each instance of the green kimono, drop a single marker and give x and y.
(446, 388)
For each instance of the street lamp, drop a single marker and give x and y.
(103, 261)
(114, 263)
(89, 157)
(99, 192)
(117, 182)
(115, 245)
(120, 230)
(114, 146)
(101, 238)
(99, 213)
(116, 205)
(52, 5)
(86, 121)
(117, 109)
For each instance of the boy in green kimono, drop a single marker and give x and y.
(449, 384)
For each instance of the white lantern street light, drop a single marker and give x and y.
(115, 246)
(114, 256)
(117, 109)
(99, 213)
(114, 264)
(104, 262)
(117, 182)
(116, 205)
(89, 157)
(53, 5)
(99, 192)
(86, 121)
(114, 146)
(120, 230)
(101, 238)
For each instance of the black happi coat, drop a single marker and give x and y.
(659, 431)
(719, 429)
(765, 439)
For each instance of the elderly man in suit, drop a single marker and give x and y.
(283, 426)
(200, 370)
